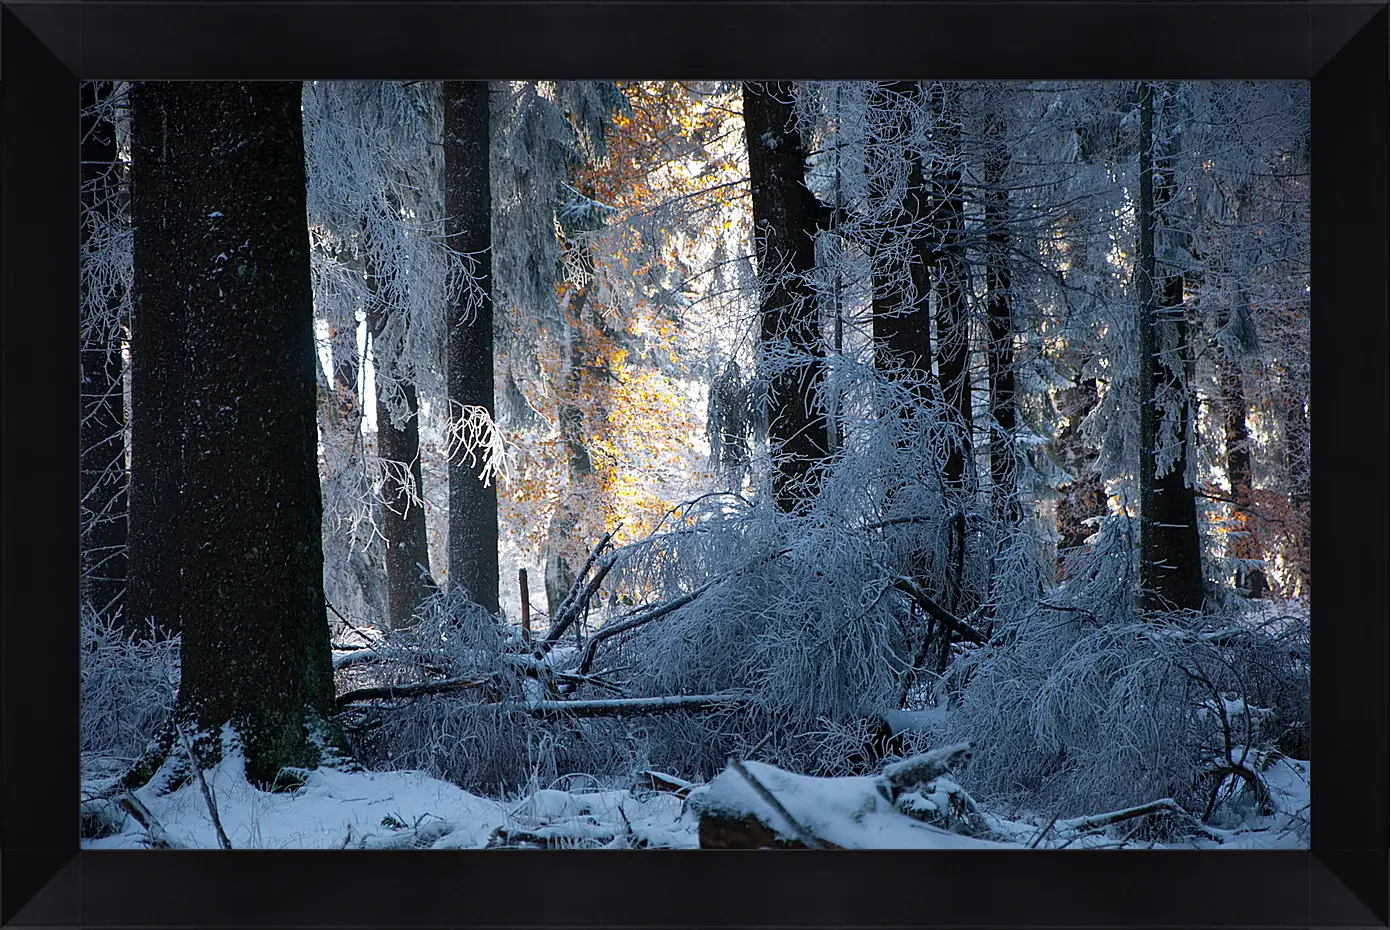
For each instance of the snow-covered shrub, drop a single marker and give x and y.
(1071, 715)
(479, 736)
(791, 620)
(798, 613)
(130, 678)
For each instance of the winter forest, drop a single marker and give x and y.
(718, 464)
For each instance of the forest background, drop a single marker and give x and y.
(853, 386)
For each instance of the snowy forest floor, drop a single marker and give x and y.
(335, 808)
(519, 762)
(129, 690)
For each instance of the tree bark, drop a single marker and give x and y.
(902, 271)
(408, 579)
(473, 526)
(158, 347)
(103, 423)
(220, 209)
(786, 214)
(953, 325)
(1171, 574)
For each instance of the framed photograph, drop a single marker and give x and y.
(694, 464)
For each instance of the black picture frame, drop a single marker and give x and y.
(45, 47)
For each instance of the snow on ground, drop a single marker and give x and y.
(376, 810)
(403, 810)
(1288, 827)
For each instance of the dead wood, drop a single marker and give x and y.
(937, 611)
(415, 689)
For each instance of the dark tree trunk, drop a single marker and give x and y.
(473, 529)
(408, 579)
(953, 322)
(786, 214)
(1171, 573)
(161, 246)
(220, 208)
(347, 362)
(999, 354)
(903, 263)
(1243, 543)
(104, 479)
(902, 270)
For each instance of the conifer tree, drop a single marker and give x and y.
(1171, 571)
(786, 215)
(222, 265)
(473, 525)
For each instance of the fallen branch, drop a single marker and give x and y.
(346, 622)
(1096, 822)
(203, 785)
(570, 608)
(661, 610)
(532, 667)
(1044, 832)
(659, 781)
(416, 689)
(942, 615)
(1068, 608)
(136, 808)
(919, 658)
(359, 656)
(642, 619)
(1265, 804)
(920, 769)
(624, 707)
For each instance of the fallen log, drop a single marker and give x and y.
(720, 831)
(624, 707)
(918, 770)
(1095, 822)
(803, 834)
(414, 689)
(851, 812)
